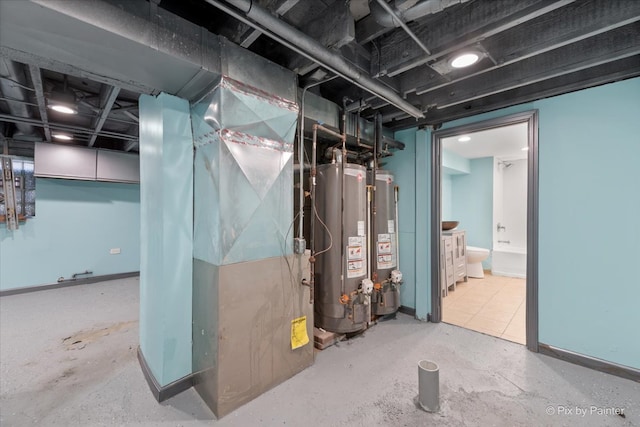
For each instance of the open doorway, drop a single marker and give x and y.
(484, 268)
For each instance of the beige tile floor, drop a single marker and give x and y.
(494, 305)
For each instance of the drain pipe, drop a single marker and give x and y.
(262, 20)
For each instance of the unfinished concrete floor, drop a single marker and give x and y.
(68, 358)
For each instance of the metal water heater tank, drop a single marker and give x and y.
(341, 298)
(386, 277)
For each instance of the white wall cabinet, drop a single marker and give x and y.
(82, 163)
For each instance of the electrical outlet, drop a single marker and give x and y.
(114, 251)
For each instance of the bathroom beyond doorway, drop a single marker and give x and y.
(483, 206)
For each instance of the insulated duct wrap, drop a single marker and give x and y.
(243, 139)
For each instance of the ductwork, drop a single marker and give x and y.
(261, 19)
(428, 7)
(12, 85)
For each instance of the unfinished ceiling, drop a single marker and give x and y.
(392, 58)
(529, 49)
(105, 117)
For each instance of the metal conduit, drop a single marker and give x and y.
(262, 20)
(404, 26)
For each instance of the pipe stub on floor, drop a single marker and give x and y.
(429, 385)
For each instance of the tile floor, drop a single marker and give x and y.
(494, 305)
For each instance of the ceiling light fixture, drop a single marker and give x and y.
(464, 139)
(465, 59)
(63, 100)
(62, 136)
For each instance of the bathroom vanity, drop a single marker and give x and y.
(447, 266)
(453, 259)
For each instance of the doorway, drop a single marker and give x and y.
(493, 165)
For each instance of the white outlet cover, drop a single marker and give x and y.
(114, 251)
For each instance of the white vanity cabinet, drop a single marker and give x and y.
(447, 266)
(459, 243)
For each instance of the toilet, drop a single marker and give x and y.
(475, 256)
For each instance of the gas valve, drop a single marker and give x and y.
(367, 286)
(396, 277)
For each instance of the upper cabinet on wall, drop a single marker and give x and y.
(89, 164)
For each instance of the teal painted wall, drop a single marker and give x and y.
(166, 210)
(409, 166)
(454, 164)
(402, 164)
(76, 224)
(589, 222)
(472, 203)
(423, 224)
(589, 150)
(447, 198)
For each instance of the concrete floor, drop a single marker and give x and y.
(47, 377)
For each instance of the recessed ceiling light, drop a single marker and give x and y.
(465, 60)
(62, 136)
(525, 148)
(464, 139)
(60, 108)
(63, 99)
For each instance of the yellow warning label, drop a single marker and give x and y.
(299, 335)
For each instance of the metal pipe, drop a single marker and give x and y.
(329, 131)
(396, 194)
(343, 181)
(308, 47)
(312, 259)
(376, 144)
(404, 26)
(369, 246)
(301, 151)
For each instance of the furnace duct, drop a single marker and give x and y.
(243, 140)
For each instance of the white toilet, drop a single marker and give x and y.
(475, 256)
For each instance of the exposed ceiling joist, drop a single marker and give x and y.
(108, 95)
(36, 79)
(606, 73)
(607, 47)
(131, 116)
(130, 145)
(65, 127)
(398, 53)
(533, 38)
